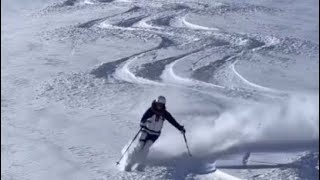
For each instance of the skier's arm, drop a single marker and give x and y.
(145, 116)
(172, 121)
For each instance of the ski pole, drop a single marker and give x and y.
(118, 162)
(185, 140)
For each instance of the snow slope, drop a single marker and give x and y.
(77, 75)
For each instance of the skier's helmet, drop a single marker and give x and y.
(161, 100)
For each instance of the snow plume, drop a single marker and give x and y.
(287, 125)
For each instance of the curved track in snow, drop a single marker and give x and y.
(189, 37)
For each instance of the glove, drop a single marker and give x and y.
(142, 125)
(182, 130)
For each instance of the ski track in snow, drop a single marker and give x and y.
(250, 83)
(194, 26)
(123, 53)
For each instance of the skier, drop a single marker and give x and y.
(151, 125)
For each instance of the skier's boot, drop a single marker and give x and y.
(140, 167)
(128, 167)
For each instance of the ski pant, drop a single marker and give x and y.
(145, 136)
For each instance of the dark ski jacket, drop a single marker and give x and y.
(152, 120)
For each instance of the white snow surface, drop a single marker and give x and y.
(241, 76)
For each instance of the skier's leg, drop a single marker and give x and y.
(143, 155)
(133, 155)
(144, 152)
